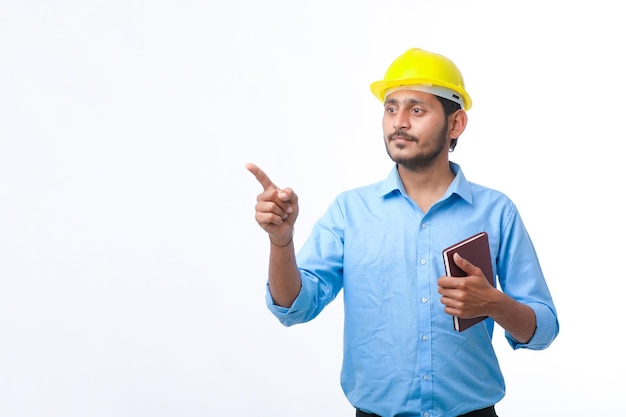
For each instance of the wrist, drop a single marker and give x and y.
(281, 245)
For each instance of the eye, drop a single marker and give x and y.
(391, 109)
(416, 110)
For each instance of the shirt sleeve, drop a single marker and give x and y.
(320, 262)
(521, 278)
(546, 331)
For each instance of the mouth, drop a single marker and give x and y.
(401, 137)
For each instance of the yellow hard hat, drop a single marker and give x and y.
(425, 71)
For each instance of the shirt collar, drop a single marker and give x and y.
(459, 186)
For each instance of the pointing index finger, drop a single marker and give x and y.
(261, 176)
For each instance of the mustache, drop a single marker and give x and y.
(403, 134)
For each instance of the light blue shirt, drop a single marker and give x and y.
(402, 356)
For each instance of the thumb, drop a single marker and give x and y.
(468, 267)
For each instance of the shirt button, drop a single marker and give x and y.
(424, 300)
(424, 226)
(426, 414)
(423, 261)
(426, 378)
(425, 337)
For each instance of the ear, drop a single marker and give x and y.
(457, 123)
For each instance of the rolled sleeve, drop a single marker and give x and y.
(545, 333)
(303, 308)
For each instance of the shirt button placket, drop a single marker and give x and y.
(425, 322)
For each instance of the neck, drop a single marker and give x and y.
(427, 185)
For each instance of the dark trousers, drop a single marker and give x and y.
(485, 412)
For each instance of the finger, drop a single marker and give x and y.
(450, 302)
(467, 267)
(446, 283)
(287, 195)
(261, 176)
(270, 207)
(277, 200)
(265, 219)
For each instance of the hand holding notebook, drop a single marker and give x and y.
(476, 250)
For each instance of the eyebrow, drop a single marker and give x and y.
(406, 101)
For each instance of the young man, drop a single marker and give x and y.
(382, 244)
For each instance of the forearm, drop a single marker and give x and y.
(516, 318)
(284, 276)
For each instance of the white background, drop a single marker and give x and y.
(132, 273)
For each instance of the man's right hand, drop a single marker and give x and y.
(276, 209)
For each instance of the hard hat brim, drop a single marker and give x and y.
(379, 88)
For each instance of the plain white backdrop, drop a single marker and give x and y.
(132, 273)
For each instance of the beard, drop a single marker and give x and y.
(422, 160)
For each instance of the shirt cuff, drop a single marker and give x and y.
(299, 312)
(546, 331)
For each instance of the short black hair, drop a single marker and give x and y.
(449, 107)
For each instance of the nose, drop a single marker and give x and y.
(401, 121)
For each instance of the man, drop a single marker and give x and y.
(382, 244)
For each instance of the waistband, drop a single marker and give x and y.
(483, 412)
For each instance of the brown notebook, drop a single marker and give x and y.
(476, 250)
